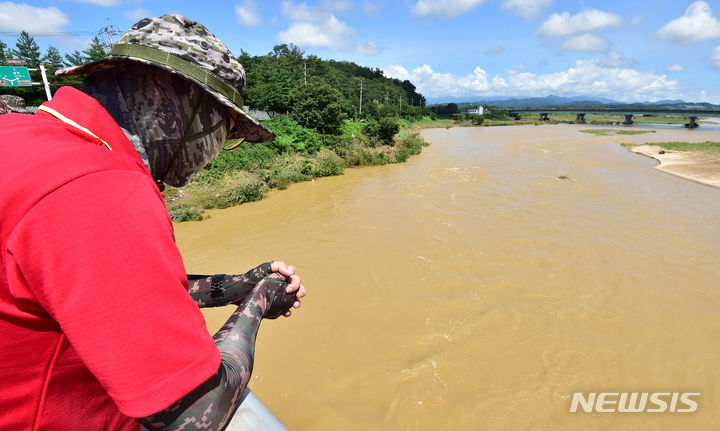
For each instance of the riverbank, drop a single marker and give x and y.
(699, 162)
(248, 172)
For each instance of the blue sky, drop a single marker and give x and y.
(629, 51)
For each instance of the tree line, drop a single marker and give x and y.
(320, 94)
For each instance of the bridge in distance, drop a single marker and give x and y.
(692, 115)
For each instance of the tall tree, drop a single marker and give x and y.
(2, 51)
(96, 50)
(317, 105)
(27, 48)
(75, 58)
(52, 59)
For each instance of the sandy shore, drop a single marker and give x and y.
(695, 166)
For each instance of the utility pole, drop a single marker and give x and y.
(305, 71)
(401, 104)
(361, 94)
(386, 97)
(107, 34)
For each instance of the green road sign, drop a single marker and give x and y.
(14, 76)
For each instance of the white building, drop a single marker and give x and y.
(478, 110)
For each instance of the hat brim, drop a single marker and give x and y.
(245, 126)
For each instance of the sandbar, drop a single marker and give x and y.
(700, 167)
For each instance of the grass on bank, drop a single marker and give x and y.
(702, 147)
(607, 132)
(248, 172)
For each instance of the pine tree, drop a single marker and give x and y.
(75, 58)
(28, 49)
(96, 50)
(53, 60)
(2, 51)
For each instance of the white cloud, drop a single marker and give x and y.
(136, 14)
(715, 58)
(16, 17)
(586, 43)
(318, 27)
(248, 14)
(585, 78)
(615, 59)
(303, 12)
(328, 33)
(444, 8)
(526, 9)
(368, 48)
(674, 68)
(697, 24)
(584, 22)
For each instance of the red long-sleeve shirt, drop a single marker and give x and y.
(96, 326)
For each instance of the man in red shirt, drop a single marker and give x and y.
(97, 329)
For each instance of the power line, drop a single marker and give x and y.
(52, 34)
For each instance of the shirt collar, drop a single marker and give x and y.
(88, 112)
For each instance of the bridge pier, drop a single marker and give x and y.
(628, 119)
(544, 116)
(580, 118)
(692, 124)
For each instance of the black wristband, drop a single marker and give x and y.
(216, 290)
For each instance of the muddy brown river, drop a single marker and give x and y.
(472, 288)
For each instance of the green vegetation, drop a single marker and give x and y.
(606, 132)
(248, 172)
(704, 147)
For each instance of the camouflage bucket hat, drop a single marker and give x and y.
(187, 48)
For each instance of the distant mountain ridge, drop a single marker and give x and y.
(552, 101)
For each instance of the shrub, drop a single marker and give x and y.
(328, 164)
(184, 212)
(362, 156)
(250, 191)
(245, 157)
(382, 131)
(477, 119)
(291, 137)
(216, 201)
(318, 106)
(340, 144)
(409, 145)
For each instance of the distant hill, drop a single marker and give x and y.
(571, 103)
(513, 102)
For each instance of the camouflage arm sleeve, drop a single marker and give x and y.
(221, 289)
(211, 405)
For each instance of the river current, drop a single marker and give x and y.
(482, 283)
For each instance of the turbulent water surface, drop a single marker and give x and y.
(482, 283)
